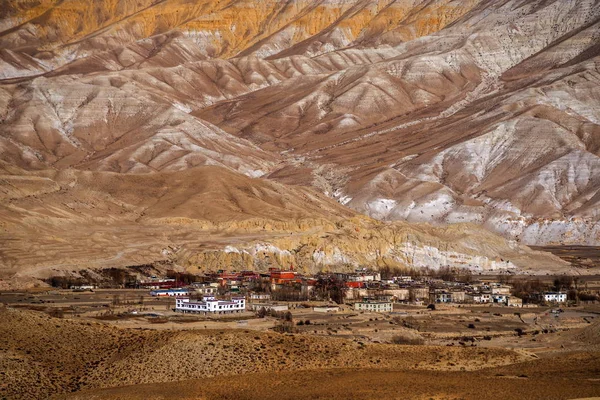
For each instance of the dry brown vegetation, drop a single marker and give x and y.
(44, 355)
(41, 355)
(575, 380)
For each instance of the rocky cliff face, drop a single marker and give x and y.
(479, 112)
(358, 243)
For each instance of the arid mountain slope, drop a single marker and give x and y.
(211, 194)
(43, 36)
(137, 121)
(441, 111)
(54, 220)
(206, 218)
(105, 125)
(400, 244)
(492, 120)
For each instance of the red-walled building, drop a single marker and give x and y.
(355, 284)
(283, 275)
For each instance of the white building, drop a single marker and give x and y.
(373, 306)
(555, 297)
(326, 309)
(480, 298)
(170, 292)
(501, 289)
(269, 307)
(360, 276)
(206, 290)
(84, 287)
(500, 298)
(155, 283)
(260, 297)
(209, 304)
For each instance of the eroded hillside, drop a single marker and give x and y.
(443, 112)
(201, 219)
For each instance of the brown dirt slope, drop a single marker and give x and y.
(41, 355)
(210, 194)
(77, 219)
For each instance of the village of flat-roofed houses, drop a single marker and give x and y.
(438, 306)
(363, 290)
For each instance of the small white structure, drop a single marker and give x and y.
(500, 298)
(269, 307)
(204, 288)
(260, 297)
(84, 287)
(326, 309)
(555, 297)
(501, 289)
(373, 306)
(209, 304)
(480, 298)
(170, 292)
(362, 276)
(155, 283)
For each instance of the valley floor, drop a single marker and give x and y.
(87, 355)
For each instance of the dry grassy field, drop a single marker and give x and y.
(579, 379)
(43, 356)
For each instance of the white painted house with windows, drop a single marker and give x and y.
(555, 297)
(209, 304)
(170, 292)
(374, 306)
(480, 298)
